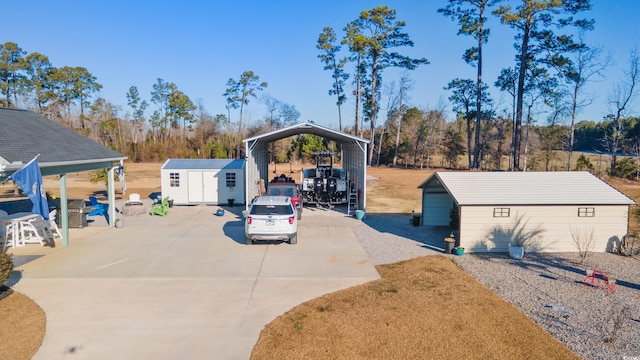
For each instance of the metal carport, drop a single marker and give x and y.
(354, 156)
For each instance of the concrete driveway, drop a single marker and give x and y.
(182, 286)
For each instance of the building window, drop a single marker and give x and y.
(586, 212)
(231, 179)
(501, 212)
(174, 179)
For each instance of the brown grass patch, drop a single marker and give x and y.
(424, 308)
(22, 327)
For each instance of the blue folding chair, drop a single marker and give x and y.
(98, 209)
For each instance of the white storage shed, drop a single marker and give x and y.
(487, 209)
(203, 181)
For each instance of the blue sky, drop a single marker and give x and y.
(199, 45)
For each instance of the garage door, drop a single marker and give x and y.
(435, 209)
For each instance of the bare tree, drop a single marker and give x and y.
(620, 100)
(586, 65)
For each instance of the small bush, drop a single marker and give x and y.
(626, 168)
(6, 268)
(583, 164)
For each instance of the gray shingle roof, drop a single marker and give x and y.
(25, 134)
(528, 188)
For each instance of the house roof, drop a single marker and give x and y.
(204, 164)
(25, 134)
(527, 188)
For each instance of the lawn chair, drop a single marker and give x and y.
(98, 209)
(134, 199)
(53, 225)
(161, 209)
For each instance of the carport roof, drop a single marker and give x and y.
(527, 188)
(307, 127)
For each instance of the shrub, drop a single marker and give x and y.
(6, 268)
(626, 168)
(583, 164)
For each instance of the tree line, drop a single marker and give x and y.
(552, 64)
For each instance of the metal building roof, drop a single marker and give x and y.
(204, 164)
(527, 188)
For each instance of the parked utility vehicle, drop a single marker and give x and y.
(289, 189)
(271, 218)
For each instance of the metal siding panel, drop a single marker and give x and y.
(481, 232)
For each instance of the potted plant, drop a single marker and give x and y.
(522, 235)
(516, 249)
(458, 250)
(449, 243)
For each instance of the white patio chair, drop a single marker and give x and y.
(35, 230)
(10, 235)
(52, 223)
(134, 199)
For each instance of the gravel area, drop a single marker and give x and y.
(547, 287)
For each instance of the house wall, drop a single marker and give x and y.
(203, 186)
(481, 231)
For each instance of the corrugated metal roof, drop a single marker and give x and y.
(528, 188)
(204, 164)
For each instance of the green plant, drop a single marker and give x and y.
(6, 268)
(583, 164)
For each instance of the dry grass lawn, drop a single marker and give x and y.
(22, 327)
(424, 308)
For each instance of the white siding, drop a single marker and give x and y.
(435, 208)
(203, 187)
(180, 194)
(236, 193)
(480, 231)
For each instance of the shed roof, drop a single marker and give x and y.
(527, 188)
(204, 164)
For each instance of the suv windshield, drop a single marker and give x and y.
(271, 210)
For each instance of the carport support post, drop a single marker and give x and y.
(64, 210)
(111, 196)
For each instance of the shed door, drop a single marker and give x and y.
(203, 187)
(210, 187)
(195, 186)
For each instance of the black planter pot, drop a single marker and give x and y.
(448, 247)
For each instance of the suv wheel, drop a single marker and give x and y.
(293, 239)
(249, 241)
